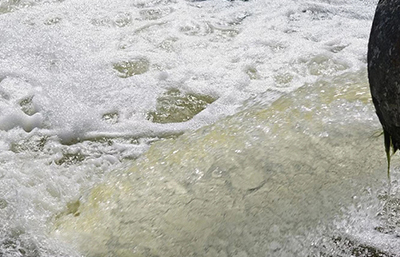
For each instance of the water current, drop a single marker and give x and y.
(191, 128)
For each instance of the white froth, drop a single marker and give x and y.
(57, 82)
(225, 49)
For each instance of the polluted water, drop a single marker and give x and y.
(191, 128)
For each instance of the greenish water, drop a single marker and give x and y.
(133, 67)
(175, 106)
(269, 181)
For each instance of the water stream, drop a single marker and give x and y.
(303, 176)
(191, 128)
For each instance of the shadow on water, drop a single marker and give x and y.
(297, 178)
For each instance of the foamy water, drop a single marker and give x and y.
(87, 86)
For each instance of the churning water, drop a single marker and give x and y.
(191, 128)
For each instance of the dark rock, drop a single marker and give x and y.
(384, 69)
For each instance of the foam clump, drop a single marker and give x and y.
(19, 119)
(17, 105)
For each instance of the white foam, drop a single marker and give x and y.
(57, 81)
(68, 49)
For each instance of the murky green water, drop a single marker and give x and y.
(269, 181)
(175, 106)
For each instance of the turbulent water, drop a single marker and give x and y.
(191, 128)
